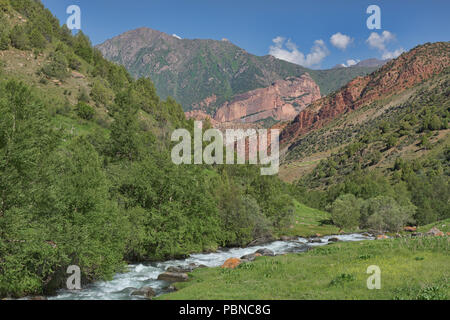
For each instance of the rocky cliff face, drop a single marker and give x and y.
(204, 74)
(283, 100)
(411, 68)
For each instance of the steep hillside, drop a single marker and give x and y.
(382, 137)
(86, 175)
(205, 74)
(410, 69)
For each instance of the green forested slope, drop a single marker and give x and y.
(392, 152)
(85, 171)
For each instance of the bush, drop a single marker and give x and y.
(57, 67)
(19, 38)
(345, 211)
(385, 214)
(37, 40)
(5, 6)
(4, 32)
(84, 111)
(100, 94)
(74, 62)
(4, 40)
(83, 96)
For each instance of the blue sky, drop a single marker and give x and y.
(299, 27)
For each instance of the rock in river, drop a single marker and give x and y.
(146, 292)
(251, 256)
(266, 252)
(173, 277)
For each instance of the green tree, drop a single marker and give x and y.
(100, 94)
(4, 32)
(391, 141)
(345, 211)
(125, 140)
(19, 38)
(385, 214)
(83, 47)
(37, 40)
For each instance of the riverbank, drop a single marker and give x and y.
(145, 276)
(411, 268)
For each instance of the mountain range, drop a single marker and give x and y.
(219, 79)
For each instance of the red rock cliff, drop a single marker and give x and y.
(283, 100)
(411, 68)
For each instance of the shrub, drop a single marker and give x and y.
(83, 96)
(4, 32)
(345, 211)
(4, 40)
(385, 214)
(84, 111)
(57, 67)
(19, 38)
(100, 94)
(37, 40)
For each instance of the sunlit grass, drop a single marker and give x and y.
(410, 269)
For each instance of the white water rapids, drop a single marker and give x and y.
(143, 275)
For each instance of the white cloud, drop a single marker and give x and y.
(288, 51)
(176, 36)
(392, 55)
(340, 41)
(351, 62)
(380, 42)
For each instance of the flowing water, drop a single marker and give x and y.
(143, 275)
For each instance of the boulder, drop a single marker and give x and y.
(180, 269)
(300, 248)
(231, 263)
(288, 238)
(260, 241)
(77, 75)
(173, 276)
(265, 252)
(146, 292)
(333, 240)
(196, 265)
(410, 229)
(435, 232)
(315, 240)
(251, 256)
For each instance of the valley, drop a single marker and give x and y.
(87, 176)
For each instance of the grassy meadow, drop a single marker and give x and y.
(411, 268)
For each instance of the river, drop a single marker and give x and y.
(143, 275)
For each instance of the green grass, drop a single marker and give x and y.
(410, 269)
(443, 225)
(308, 222)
